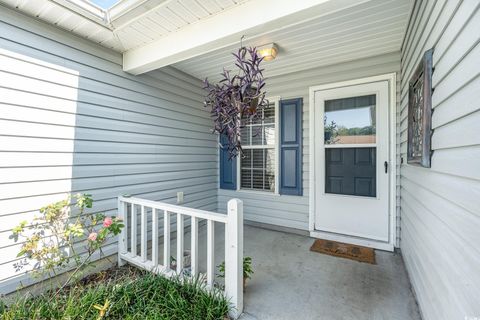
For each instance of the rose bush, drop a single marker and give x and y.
(64, 236)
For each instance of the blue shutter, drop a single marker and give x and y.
(228, 167)
(291, 146)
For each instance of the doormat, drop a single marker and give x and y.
(344, 250)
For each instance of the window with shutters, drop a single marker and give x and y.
(258, 166)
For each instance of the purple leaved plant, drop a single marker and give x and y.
(237, 99)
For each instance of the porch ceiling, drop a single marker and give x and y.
(368, 29)
(198, 36)
(126, 25)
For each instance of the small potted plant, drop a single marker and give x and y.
(187, 260)
(247, 270)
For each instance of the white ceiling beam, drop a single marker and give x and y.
(226, 28)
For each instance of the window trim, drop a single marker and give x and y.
(276, 102)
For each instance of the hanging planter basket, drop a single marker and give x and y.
(238, 98)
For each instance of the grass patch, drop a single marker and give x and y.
(128, 294)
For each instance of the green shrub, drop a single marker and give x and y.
(138, 295)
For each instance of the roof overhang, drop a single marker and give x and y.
(126, 11)
(85, 8)
(121, 12)
(198, 37)
(226, 28)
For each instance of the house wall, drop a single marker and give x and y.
(72, 121)
(293, 211)
(440, 206)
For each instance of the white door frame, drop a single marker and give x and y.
(392, 81)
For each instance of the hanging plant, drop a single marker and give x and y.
(237, 99)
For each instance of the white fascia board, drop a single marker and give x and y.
(250, 19)
(88, 6)
(86, 9)
(123, 7)
(127, 9)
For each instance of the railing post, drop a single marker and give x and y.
(234, 256)
(122, 237)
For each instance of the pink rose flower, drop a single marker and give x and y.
(107, 222)
(92, 236)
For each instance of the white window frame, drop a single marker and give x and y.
(276, 102)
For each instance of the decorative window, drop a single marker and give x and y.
(258, 165)
(420, 113)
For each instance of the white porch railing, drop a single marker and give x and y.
(233, 241)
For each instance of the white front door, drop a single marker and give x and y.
(351, 130)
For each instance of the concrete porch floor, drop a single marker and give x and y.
(290, 282)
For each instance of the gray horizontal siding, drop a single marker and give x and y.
(440, 206)
(72, 121)
(292, 211)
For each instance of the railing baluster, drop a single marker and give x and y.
(155, 237)
(122, 238)
(179, 242)
(210, 252)
(143, 233)
(194, 246)
(166, 240)
(133, 229)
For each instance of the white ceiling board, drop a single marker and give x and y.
(62, 16)
(198, 10)
(372, 27)
(180, 10)
(32, 8)
(169, 17)
(255, 17)
(369, 29)
(128, 24)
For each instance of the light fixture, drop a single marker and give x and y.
(268, 51)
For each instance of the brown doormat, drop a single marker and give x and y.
(344, 250)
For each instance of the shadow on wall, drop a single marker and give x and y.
(72, 122)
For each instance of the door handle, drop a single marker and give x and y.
(385, 164)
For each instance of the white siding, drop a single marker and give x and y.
(440, 206)
(72, 121)
(292, 211)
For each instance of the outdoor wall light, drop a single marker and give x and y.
(268, 52)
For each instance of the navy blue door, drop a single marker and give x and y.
(351, 171)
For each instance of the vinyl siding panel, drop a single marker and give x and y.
(293, 211)
(440, 216)
(72, 121)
